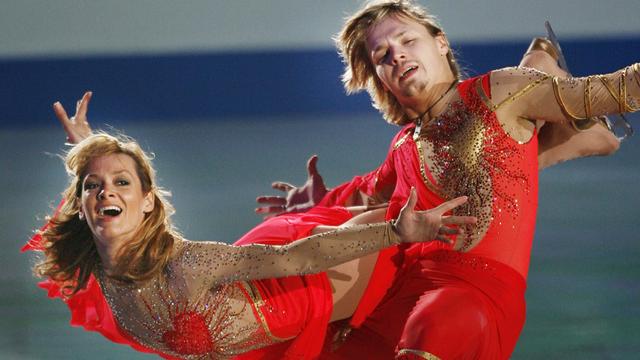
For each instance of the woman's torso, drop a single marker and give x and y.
(170, 316)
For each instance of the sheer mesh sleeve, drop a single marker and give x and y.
(216, 263)
(536, 95)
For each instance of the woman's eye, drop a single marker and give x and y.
(122, 182)
(90, 186)
(409, 41)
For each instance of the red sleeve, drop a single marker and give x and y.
(378, 182)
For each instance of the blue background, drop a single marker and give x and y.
(231, 96)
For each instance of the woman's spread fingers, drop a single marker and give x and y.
(83, 104)
(61, 114)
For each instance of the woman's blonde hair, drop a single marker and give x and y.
(359, 73)
(70, 254)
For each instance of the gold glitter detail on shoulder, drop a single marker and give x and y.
(401, 141)
(539, 79)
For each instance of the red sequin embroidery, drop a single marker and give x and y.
(190, 334)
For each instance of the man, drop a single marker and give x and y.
(432, 306)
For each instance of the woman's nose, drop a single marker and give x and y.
(104, 193)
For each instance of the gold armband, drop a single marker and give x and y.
(391, 236)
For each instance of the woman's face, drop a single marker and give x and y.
(112, 200)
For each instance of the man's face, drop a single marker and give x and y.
(407, 59)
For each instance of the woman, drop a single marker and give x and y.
(188, 299)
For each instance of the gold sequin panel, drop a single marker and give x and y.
(465, 149)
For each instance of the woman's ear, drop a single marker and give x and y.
(149, 202)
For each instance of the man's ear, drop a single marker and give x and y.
(443, 43)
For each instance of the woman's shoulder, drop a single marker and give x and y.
(190, 252)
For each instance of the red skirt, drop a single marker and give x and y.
(297, 307)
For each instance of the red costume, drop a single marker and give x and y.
(427, 300)
(429, 288)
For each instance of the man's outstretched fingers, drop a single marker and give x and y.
(448, 230)
(312, 168)
(412, 200)
(276, 200)
(282, 186)
(269, 210)
(444, 239)
(451, 204)
(459, 220)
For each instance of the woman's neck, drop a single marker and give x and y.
(108, 255)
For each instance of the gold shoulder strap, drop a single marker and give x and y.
(493, 107)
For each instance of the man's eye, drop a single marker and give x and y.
(382, 57)
(409, 41)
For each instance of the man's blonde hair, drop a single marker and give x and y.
(70, 254)
(359, 73)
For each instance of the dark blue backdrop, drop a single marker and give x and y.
(217, 85)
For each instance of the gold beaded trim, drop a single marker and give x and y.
(493, 107)
(419, 353)
(636, 72)
(560, 101)
(587, 98)
(400, 141)
(257, 301)
(423, 171)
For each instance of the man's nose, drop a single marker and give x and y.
(397, 56)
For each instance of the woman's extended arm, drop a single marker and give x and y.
(216, 263)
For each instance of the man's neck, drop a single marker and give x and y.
(434, 101)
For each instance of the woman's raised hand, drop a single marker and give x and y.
(430, 225)
(77, 127)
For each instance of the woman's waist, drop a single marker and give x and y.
(275, 311)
